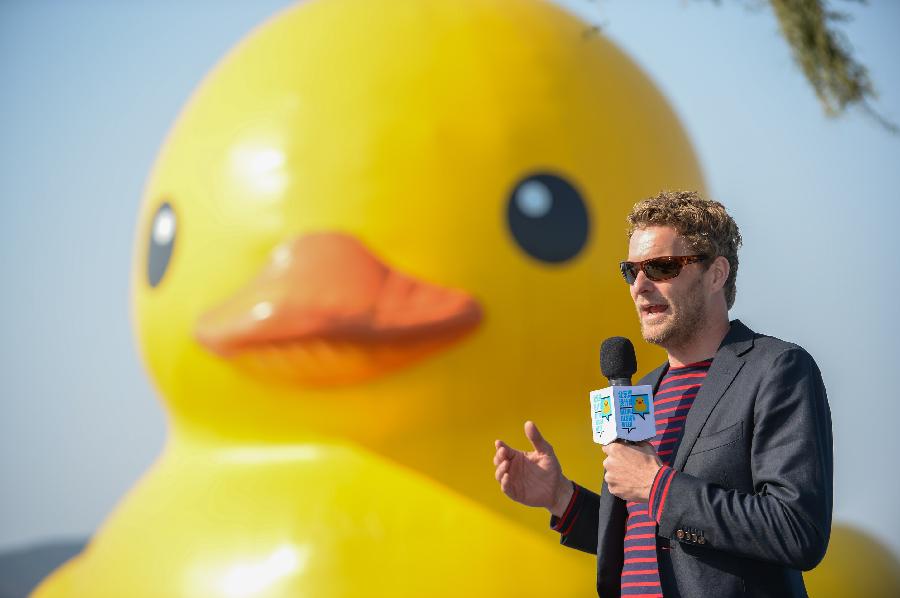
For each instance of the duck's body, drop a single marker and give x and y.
(234, 521)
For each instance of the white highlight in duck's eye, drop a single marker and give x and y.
(164, 226)
(534, 199)
(261, 311)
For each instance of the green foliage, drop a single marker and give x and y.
(825, 56)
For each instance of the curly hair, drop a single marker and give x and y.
(703, 223)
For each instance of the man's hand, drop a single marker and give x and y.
(630, 469)
(533, 478)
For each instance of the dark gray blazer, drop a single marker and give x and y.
(750, 504)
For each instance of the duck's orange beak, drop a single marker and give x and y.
(326, 311)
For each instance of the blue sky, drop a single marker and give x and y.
(91, 88)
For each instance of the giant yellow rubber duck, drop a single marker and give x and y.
(380, 235)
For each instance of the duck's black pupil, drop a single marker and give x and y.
(548, 218)
(162, 234)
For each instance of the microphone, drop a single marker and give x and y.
(621, 411)
(617, 360)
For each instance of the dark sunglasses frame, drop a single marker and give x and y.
(658, 268)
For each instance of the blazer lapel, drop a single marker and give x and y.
(725, 366)
(655, 377)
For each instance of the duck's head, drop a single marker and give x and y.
(398, 223)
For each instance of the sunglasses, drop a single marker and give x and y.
(658, 268)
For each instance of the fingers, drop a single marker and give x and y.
(615, 448)
(608, 471)
(644, 447)
(537, 440)
(503, 461)
(502, 470)
(503, 452)
(619, 448)
(648, 449)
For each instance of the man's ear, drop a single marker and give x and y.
(718, 272)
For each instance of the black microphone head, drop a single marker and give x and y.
(617, 359)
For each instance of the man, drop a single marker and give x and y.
(733, 496)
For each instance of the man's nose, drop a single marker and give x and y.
(642, 284)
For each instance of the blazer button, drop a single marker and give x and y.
(680, 534)
(693, 537)
(701, 540)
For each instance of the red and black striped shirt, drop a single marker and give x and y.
(671, 403)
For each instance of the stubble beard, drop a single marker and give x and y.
(683, 324)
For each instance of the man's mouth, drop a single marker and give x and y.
(652, 309)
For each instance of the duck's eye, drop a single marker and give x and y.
(548, 218)
(162, 241)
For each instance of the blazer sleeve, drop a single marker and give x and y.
(578, 525)
(787, 519)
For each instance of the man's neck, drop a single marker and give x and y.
(702, 345)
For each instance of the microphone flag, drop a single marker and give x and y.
(622, 413)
